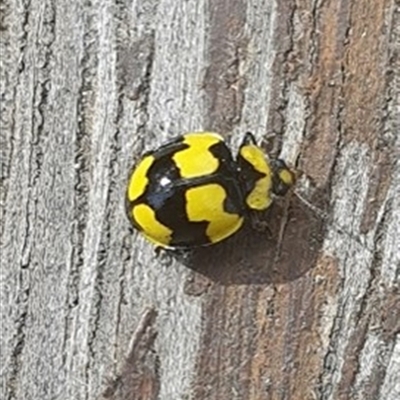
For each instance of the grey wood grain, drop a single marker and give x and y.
(89, 311)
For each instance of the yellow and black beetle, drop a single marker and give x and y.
(191, 191)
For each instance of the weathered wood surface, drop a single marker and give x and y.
(86, 87)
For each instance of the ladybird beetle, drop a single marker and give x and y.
(192, 192)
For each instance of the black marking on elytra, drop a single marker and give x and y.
(221, 152)
(227, 176)
(173, 215)
(248, 175)
(233, 203)
(162, 175)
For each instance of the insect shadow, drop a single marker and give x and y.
(282, 253)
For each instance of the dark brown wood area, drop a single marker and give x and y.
(308, 309)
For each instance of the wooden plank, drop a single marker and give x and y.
(89, 310)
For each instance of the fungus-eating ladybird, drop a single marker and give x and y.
(192, 192)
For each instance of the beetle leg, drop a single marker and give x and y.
(249, 139)
(259, 224)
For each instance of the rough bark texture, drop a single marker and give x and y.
(89, 311)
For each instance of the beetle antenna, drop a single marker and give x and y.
(316, 210)
(325, 216)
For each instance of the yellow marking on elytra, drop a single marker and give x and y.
(153, 230)
(260, 197)
(206, 203)
(197, 160)
(138, 180)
